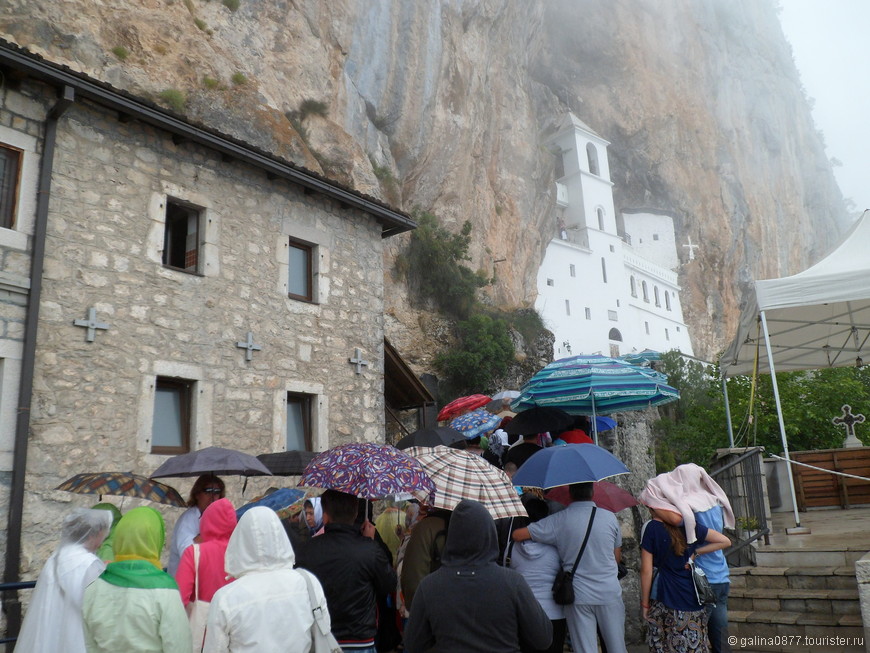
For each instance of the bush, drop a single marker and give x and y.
(210, 82)
(436, 268)
(121, 52)
(482, 352)
(200, 23)
(239, 79)
(311, 107)
(174, 98)
(232, 5)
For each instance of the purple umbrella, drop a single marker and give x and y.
(368, 471)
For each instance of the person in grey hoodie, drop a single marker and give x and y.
(471, 604)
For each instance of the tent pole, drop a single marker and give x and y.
(797, 519)
(728, 413)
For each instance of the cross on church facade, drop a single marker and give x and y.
(91, 325)
(357, 360)
(249, 346)
(848, 420)
(691, 247)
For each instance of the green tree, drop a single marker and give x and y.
(482, 352)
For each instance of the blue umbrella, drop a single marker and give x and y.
(567, 464)
(588, 385)
(474, 423)
(604, 424)
(279, 501)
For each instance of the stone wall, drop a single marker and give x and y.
(93, 401)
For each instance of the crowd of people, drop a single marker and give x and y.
(414, 579)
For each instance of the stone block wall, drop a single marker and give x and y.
(93, 401)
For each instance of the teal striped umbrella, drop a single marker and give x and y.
(594, 385)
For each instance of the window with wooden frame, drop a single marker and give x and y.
(170, 431)
(10, 173)
(299, 422)
(181, 241)
(300, 277)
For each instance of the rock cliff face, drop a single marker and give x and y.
(445, 105)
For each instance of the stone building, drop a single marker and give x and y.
(165, 287)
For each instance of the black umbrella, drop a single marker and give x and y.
(538, 420)
(287, 463)
(431, 437)
(212, 460)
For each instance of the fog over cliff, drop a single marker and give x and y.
(446, 104)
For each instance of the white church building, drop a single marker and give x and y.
(608, 282)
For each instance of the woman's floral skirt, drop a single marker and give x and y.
(677, 631)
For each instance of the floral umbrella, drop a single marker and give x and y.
(368, 471)
(475, 423)
(461, 405)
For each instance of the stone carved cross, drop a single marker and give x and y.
(691, 247)
(357, 360)
(848, 420)
(249, 346)
(91, 324)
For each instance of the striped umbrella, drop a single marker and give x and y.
(123, 484)
(589, 385)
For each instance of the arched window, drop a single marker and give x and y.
(633, 286)
(592, 156)
(656, 295)
(601, 219)
(615, 335)
(667, 300)
(645, 291)
(603, 269)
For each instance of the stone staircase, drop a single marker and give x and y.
(796, 600)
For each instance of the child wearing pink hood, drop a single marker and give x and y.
(215, 527)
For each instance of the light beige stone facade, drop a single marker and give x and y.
(93, 401)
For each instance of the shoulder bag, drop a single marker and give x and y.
(703, 592)
(563, 584)
(322, 639)
(197, 611)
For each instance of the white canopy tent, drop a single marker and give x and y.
(814, 319)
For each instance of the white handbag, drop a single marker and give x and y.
(197, 611)
(322, 639)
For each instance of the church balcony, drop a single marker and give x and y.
(561, 195)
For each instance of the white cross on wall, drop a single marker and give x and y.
(691, 249)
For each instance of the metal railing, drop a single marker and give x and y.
(13, 587)
(742, 479)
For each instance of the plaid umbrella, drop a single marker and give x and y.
(475, 423)
(368, 471)
(462, 475)
(462, 405)
(123, 484)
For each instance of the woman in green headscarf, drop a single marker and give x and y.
(135, 605)
(106, 552)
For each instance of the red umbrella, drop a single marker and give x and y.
(463, 405)
(607, 495)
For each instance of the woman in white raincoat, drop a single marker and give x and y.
(53, 622)
(266, 609)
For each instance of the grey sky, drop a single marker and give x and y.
(830, 43)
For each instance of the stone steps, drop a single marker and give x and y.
(796, 600)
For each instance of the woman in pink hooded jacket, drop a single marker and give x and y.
(215, 527)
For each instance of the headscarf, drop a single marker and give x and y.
(140, 535)
(318, 514)
(106, 552)
(686, 490)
